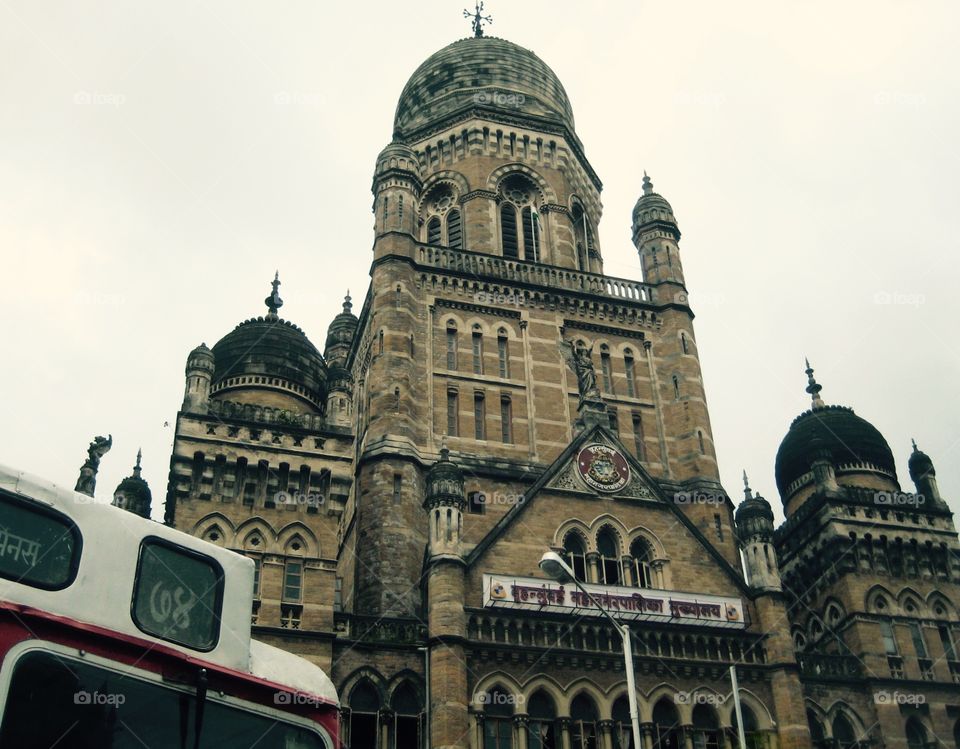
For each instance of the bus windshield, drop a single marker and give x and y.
(63, 702)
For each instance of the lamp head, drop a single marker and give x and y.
(553, 565)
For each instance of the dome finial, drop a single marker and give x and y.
(477, 19)
(747, 491)
(813, 387)
(274, 302)
(647, 184)
(136, 467)
(347, 303)
(914, 443)
(444, 450)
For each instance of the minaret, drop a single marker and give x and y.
(340, 335)
(924, 476)
(754, 519)
(444, 502)
(825, 474)
(656, 236)
(199, 374)
(133, 493)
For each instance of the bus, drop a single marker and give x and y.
(118, 632)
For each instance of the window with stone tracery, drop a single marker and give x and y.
(520, 220)
(444, 223)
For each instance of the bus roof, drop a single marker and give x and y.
(104, 588)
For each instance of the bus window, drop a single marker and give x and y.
(38, 547)
(59, 701)
(178, 594)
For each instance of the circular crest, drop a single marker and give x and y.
(603, 468)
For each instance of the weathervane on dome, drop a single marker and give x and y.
(478, 19)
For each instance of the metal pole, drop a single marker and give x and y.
(736, 705)
(631, 684)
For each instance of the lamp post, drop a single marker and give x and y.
(553, 565)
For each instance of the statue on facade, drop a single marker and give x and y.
(580, 361)
(88, 471)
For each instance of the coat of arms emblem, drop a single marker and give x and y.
(603, 468)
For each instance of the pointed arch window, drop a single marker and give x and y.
(706, 728)
(610, 568)
(583, 723)
(498, 719)
(622, 725)
(503, 353)
(641, 560)
(364, 715)
(582, 239)
(542, 732)
(843, 734)
(916, 734)
(666, 726)
(575, 552)
(477, 349)
(638, 436)
(454, 230)
(451, 346)
(751, 729)
(406, 731)
(433, 230)
(605, 368)
(817, 737)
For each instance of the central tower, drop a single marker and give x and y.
(486, 255)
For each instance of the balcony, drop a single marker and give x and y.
(494, 267)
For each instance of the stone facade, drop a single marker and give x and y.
(438, 443)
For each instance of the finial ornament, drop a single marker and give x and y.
(813, 387)
(914, 443)
(478, 19)
(347, 303)
(136, 468)
(647, 184)
(274, 302)
(747, 491)
(444, 450)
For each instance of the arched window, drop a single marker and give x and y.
(531, 235)
(477, 349)
(666, 725)
(454, 230)
(610, 567)
(364, 715)
(817, 738)
(641, 556)
(676, 387)
(508, 231)
(622, 726)
(605, 368)
(576, 553)
(751, 729)
(497, 719)
(503, 353)
(583, 723)
(700, 442)
(407, 716)
(630, 372)
(843, 733)
(638, 436)
(581, 233)
(916, 734)
(706, 728)
(542, 724)
(451, 345)
(433, 230)
(683, 342)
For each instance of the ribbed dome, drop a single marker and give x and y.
(270, 352)
(133, 493)
(653, 208)
(920, 464)
(839, 432)
(343, 327)
(481, 72)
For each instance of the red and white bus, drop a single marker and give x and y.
(117, 632)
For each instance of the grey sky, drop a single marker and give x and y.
(159, 161)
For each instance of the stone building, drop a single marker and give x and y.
(499, 396)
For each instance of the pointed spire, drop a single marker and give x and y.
(274, 302)
(347, 303)
(136, 468)
(444, 450)
(813, 387)
(747, 491)
(914, 443)
(647, 184)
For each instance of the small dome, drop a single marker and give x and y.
(344, 326)
(653, 208)
(133, 493)
(837, 432)
(920, 464)
(398, 156)
(200, 358)
(754, 507)
(481, 72)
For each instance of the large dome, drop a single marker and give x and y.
(485, 72)
(840, 432)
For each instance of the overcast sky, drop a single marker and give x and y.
(158, 161)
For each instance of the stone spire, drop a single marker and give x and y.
(647, 184)
(274, 302)
(813, 387)
(747, 491)
(136, 467)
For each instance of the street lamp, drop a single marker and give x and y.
(554, 566)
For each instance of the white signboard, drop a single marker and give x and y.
(632, 604)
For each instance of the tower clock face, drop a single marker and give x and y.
(603, 468)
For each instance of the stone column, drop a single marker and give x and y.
(686, 736)
(606, 734)
(520, 727)
(626, 562)
(564, 733)
(646, 735)
(593, 567)
(386, 720)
